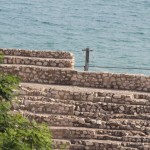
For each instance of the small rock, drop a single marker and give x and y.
(121, 108)
(82, 121)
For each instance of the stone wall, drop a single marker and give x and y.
(40, 75)
(112, 81)
(38, 53)
(61, 63)
(59, 59)
(56, 67)
(76, 78)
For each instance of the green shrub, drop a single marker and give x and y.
(7, 84)
(16, 131)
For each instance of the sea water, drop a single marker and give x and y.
(118, 31)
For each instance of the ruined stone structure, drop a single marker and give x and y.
(84, 110)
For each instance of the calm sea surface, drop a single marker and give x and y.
(117, 30)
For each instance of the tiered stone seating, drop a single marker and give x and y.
(89, 120)
(38, 58)
(80, 118)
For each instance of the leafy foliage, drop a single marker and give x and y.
(7, 84)
(16, 131)
(1, 56)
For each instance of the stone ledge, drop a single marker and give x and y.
(38, 53)
(61, 63)
(65, 76)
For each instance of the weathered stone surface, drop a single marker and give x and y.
(125, 125)
(38, 53)
(45, 62)
(81, 118)
(44, 75)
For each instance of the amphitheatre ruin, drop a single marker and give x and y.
(84, 110)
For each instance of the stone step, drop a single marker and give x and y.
(120, 127)
(124, 139)
(72, 133)
(44, 62)
(57, 93)
(38, 53)
(54, 92)
(61, 144)
(89, 94)
(107, 125)
(23, 98)
(74, 121)
(122, 95)
(78, 144)
(132, 101)
(77, 92)
(107, 116)
(145, 116)
(66, 145)
(128, 148)
(25, 68)
(103, 115)
(111, 108)
(141, 96)
(107, 144)
(104, 111)
(130, 127)
(47, 107)
(77, 147)
(82, 147)
(89, 109)
(85, 133)
(75, 102)
(129, 124)
(97, 145)
(120, 133)
(82, 132)
(50, 119)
